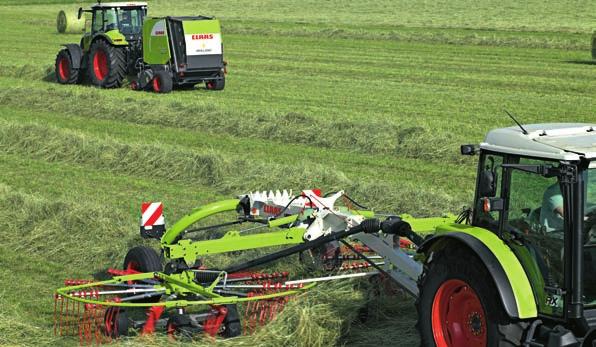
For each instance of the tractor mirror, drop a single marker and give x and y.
(80, 14)
(468, 149)
(487, 185)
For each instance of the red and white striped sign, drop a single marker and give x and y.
(152, 214)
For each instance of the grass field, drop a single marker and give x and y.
(373, 97)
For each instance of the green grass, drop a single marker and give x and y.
(374, 97)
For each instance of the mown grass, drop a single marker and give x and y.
(373, 97)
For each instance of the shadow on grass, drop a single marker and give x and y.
(582, 62)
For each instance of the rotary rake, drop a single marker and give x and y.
(184, 298)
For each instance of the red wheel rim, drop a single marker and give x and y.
(458, 318)
(156, 84)
(209, 85)
(100, 65)
(63, 69)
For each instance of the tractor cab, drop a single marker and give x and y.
(123, 17)
(536, 189)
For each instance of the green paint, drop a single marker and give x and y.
(232, 241)
(156, 49)
(114, 37)
(203, 212)
(201, 27)
(282, 221)
(532, 270)
(427, 225)
(522, 290)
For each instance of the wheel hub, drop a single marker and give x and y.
(100, 65)
(458, 317)
(475, 323)
(63, 69)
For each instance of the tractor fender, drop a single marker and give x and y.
(76, 54)
(510, 279)
(113, 37)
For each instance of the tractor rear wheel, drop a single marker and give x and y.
(162, 82)
(459, 305)
(65, 73)
(107, 64)
(218, 84)
(143, 259)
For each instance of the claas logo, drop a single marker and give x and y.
(202, 36)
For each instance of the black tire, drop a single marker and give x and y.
(188, 86)
(143, 259)
(459, 265)
(65, 73)
(218, 84)
(106, 65)
(116, 322)
(162, 82)
(179, 325)
(231, 324)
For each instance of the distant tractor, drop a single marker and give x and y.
(157, 53)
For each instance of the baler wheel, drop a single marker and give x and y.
(218, 84)
(162, 82)
(459, 305)
(65, 73)
(107, 64)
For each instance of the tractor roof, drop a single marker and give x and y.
(559, 141)
(119, 4)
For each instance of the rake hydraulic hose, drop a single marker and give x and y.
(367, 226)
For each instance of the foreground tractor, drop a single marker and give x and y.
(516, 270)
(157, 53)
(522, 271)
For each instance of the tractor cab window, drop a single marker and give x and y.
(590, 236)
(535, 213)
(130, 21)
(110, 19)
(97, 21)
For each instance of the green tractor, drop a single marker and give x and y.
(522, 270)
(157, 53)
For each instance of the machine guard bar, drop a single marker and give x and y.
(172, 234)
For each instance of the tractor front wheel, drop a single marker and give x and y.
(65, 73)
(459, 304)
(106, 65)
(162, 82)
